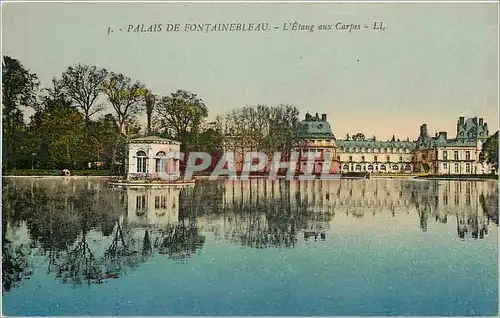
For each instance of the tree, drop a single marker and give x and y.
(358, 136)
(54, 147)
(284, 125)
(124, 96)
(82, 84)
(149, 106)
(103, 134)
(489, 152)
(19, 88)
(182, 113)
(209, 140)
(260, 128)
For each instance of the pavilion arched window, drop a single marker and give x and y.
(161, 162)
(141, 162)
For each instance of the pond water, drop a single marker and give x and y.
(258, 247)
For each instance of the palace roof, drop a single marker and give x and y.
(153, 140)
(315, 127)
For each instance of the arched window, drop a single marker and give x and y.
(161, 162)
(408, 168)
(370, 168)
(345, 167)
(395, 167)
(358, 167)
(141, 162)
(382, 167)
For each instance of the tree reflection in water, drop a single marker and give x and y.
(181, 240)
(15, 266)
(489, 203)
(89, 233)
(264, 214)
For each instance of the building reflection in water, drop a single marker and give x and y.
(152, 207)
(102, 231)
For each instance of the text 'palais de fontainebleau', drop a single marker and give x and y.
(292, 26)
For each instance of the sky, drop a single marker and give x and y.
(433, 63)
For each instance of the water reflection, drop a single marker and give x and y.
(89, 233)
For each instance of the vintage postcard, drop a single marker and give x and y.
(250, 159)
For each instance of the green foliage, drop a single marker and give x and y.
(150, 101)
(82, 84)
(51, 143)
(181, 113)
(19, 89)
(125, 97)
(489, 151)
(426, 167)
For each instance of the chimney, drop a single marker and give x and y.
(308, 116)
(323, 117)
(480, 121)
(317, 116)
(461, 120)
(443, 135)
(474, 120)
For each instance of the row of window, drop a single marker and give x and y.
(457, 167)
(376, 168)
(375, 158)
(379, 150)
(160, 202)
(161, 165)
(319, 141)
(456, 155)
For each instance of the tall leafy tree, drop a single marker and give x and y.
(125, 96)
(149, 106)
(103, 133)
(489, 151)
(19, 88)
(82, 84)
(261, 128)
(126, 99)
(55, 147)
(181, 113)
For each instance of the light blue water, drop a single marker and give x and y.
(375, 265)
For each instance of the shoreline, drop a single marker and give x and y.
(441, 178)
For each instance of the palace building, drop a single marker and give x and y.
(317, 143)
(460, 155)
(435, 155)
(368, 155)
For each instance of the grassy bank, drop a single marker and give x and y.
(47, 172)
